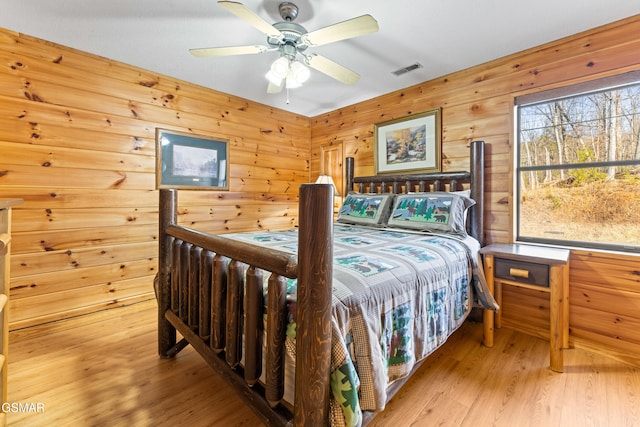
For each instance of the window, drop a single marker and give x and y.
(578, 165)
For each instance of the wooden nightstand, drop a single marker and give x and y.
(534, 267)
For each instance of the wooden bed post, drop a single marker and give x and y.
(476, 168)
(349, 172)
(313, 331)
(168, 216)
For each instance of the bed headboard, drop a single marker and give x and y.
(439, 181)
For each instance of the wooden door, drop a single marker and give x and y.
(331, 163)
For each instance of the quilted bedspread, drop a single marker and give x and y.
(397, 296)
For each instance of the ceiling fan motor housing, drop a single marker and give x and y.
(292, 33)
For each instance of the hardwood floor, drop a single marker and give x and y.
(103, 370)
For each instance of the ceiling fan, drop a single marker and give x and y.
(292, 40)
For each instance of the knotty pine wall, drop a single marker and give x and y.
(477, 103)
(77, 143)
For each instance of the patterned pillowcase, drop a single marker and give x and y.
(366, 209)
(439, 212)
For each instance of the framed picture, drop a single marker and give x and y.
(184, 160)
(410, 143)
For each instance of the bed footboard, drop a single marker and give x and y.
(210, 292)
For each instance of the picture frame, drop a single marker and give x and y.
(188, 161)
(409, 144)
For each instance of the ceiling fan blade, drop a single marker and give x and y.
(332, 69)
(230, 50)
(243, 12)
(354, 27)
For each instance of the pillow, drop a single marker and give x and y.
(366, 209)
(465, 193)
(438, 211)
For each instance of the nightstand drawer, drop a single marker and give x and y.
(523, 272)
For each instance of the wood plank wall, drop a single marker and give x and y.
(77, 143)
(477, 103)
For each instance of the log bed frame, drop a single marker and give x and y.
(216, 308)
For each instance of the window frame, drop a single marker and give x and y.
(549, 96)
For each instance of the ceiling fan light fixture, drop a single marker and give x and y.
(273, 78)
(298, 73)
(280, 67)
(292, 84)
(292, 73)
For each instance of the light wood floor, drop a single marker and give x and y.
(103, 370)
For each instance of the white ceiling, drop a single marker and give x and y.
(443, 35)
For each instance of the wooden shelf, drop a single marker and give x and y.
(5, 252)
(525, 285)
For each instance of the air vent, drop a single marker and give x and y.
(405, 70)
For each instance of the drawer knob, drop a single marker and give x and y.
(518, 272)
